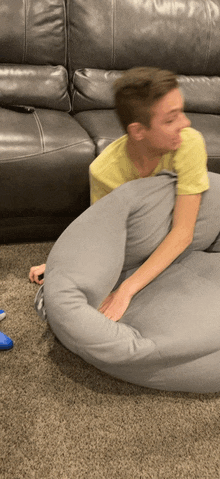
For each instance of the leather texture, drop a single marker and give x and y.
(43, 86)
(93, 89)
(183, 36)
(33, 32)
(46, 178)
(103, 127)
(201, 93)
(62, 54)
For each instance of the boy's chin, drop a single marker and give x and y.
(176, 144)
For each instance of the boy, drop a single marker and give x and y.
(150, 107)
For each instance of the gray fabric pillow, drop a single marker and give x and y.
(169, 338)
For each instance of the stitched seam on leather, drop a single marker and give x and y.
(17, 158)
(113, 31)
(69, 66)
(25, 33)
(73, 91)
(209, 34)
(40, 130)
(65, 33)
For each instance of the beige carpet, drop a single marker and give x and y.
(63, 419)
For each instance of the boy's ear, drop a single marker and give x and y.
(136, 131)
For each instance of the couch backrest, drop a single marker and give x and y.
(109, 36)
(33, 53)
(181, 35)
(33, 32)
(45, 42)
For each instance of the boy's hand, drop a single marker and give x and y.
(115, 305)
(36, 271)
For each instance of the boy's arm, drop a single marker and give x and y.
(181, 235)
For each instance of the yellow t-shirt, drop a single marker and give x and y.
(113, 167)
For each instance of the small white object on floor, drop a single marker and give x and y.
(2, 314)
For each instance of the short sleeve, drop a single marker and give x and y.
(97, 188)
(190, 164)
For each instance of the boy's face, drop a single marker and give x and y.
(167, 122)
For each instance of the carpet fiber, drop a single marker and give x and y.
(63, 419)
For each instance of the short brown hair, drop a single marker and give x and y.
(138, 89)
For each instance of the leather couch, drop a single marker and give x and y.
(58, 61)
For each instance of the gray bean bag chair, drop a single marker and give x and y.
(169, 337)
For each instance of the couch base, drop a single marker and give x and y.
(44, 183)
(31, 229)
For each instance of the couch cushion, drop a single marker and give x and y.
(201, 93)
(93, 89)
(39, 86)
(44, 181)
(33, 32)
(103, 126)
(181, 36)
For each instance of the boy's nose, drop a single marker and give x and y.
(186, 121)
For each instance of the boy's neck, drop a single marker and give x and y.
(140, 154)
